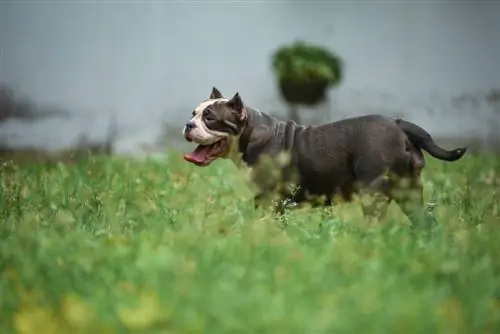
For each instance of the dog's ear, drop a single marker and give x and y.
(215, 94)
(236, 103)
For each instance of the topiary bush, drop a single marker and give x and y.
(305, 71)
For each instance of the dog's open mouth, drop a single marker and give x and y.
(203, 155)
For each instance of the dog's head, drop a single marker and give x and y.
(215, 126)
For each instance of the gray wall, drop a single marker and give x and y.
(151, 61)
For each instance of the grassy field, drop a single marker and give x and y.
(113, 245)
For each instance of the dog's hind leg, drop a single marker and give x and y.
(373, 185)
(408, 194)
(375, 207)
(375, 200)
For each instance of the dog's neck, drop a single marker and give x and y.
(262, 130)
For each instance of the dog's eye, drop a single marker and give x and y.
(193, 113)
(207, 115)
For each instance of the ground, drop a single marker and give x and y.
(115, 245)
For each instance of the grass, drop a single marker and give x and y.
(111, 245)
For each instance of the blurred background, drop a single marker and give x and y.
(124, 76)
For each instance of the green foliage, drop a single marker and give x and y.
(301, 62)
(112, 245)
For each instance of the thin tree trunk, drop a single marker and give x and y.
(293, 113)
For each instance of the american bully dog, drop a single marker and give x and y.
(372, 154)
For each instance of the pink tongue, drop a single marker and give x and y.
(199, 155)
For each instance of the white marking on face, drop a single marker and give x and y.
(201, 134)
(202, 106)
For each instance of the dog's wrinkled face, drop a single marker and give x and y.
(215, 126)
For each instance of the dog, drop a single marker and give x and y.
(372, 154)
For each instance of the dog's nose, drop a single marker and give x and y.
(190, 126)
(187, 129)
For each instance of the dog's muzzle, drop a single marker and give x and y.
(187, 130)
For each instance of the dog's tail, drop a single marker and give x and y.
(423, 139)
